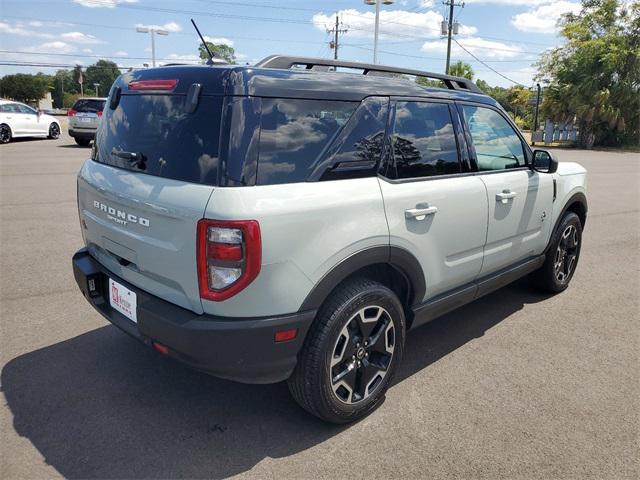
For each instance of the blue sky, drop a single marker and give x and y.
(506, 35)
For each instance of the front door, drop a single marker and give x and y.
(520, 199)
(434, 208)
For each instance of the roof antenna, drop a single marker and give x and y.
(210, 61)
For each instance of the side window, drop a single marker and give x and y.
(424, 143)
(25, 109)
(4, 108)
(357, 148)
(293, 135)
(497, 145)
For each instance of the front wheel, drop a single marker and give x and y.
(561, 258)
(54, 131)
(5, 133)
(351, 352)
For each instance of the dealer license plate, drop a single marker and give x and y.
(123, 300)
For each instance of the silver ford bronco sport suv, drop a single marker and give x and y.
(289, 221)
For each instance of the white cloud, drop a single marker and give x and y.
(393, 23)
(87, 50)
(79, 37)
(182, 58)
(18, 29)
(169, 27)
(102, 3)
(478, 46)
(425, 3)
(52, 47)
(121, 53)
(219, 40)
(544, 19)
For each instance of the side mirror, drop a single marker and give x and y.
(544, 162)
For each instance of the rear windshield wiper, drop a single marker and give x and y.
(136, 159)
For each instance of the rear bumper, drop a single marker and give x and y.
(234, 348)
(88, 134)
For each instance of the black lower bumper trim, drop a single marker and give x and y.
(89, 135)
(241, 349)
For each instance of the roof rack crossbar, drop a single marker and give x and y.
(286, 63)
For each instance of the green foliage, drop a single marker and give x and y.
(221, 50)
(69, 99)
(461, 69)
(515, 100)
(103, 72)
(595, 76)
(25, 87)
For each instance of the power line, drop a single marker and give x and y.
(488, 66)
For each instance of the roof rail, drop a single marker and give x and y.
(285, 62)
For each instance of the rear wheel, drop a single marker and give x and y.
(351, 353)
(5, 133)
(562, 256)
(83, 142)
(54, 131)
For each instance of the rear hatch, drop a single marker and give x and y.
(153, 168)
(85, 113)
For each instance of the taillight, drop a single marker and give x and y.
(153, 84)
(99, 113)
(229, 257)
(71, 112)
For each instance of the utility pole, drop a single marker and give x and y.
(452, 29)
(535, 120)
(336, 32)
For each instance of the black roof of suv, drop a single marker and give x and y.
(302, 77)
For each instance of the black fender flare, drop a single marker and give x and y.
(578, 197)
(400, 259)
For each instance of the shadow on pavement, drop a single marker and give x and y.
(101, 406)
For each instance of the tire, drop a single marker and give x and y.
(562, 256)
(5, 133)
(83, 142)
(54, 131)
(351, 353)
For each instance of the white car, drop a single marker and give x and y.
(20, 120)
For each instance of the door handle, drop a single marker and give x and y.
(420, 212)
(505, 195)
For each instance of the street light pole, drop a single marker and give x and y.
(375, 33)
(96, 85)
(377, 24)
(153, 32)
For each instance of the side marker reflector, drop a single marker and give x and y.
(286, 335)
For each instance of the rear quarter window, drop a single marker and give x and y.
(294, 134)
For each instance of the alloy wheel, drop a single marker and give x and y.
(362, 355)
(5, 134)
(566, 254)
(54, 131)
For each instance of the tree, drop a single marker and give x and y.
(461, 69)
(218, 49)
(595, 75)
(25, 87)
(63, 83)
(103, 72)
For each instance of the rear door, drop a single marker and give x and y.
(520, 199)
(435, 208)
(153, 168)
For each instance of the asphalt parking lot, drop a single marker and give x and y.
(515, 385)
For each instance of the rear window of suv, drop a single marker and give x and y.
(89, 106)
(154, 134)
